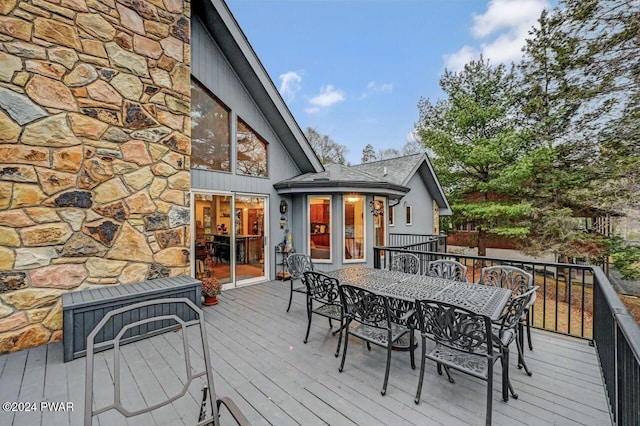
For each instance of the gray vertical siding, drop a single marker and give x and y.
(422, 203)
(210, 67)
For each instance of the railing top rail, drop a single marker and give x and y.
(628, 325)
(485, 258)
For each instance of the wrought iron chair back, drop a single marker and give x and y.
(514, 278)
(405, 262)
(464, 342)
(449, 269)
(455, 327)
(365, 307)
(513, 313)
(297, 265)
(323, 290)
(321, 287)
(372, 316)
(156, 310)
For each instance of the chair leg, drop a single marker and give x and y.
(489, 394)
(421, 379)
(386, 373)
(346, 343)
(519, 344)
(529, 334)
(412, 347)
(290, 294)
(309, 315)
(339, 337)
(506, 381)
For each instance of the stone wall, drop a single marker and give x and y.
(94, 153)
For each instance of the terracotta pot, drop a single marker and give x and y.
(210, 300)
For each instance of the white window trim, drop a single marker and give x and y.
(392, 216)
(330, 260)
(344, 231)
(410, 207)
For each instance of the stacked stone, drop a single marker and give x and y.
(94, 153)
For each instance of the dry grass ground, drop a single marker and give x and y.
(633, 304)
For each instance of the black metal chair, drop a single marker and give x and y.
(519, 281)
(405, 262)
(323, 290)
(297, 264)
(175, 313)
(449, 269)
(463, 342)
(370, 312)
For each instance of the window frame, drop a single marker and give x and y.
(231, 128)
(392, 215)
(330, 227)
(237, 144)
(362, 259)
(409, 214)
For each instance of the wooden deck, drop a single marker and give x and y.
(260, 361)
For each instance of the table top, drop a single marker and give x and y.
(481, 299)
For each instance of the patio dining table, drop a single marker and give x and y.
(481, 299)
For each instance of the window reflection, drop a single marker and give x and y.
(252, 152)
(354, 227)
(210, 132)
(320, 227)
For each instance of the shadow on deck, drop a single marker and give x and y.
(260, 361)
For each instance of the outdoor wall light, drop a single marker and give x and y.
(283, 207)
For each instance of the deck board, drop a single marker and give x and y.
(260, 361)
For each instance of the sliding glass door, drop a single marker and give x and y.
(229, 237)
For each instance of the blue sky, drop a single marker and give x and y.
(356, 69)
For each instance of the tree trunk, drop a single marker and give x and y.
(482, 242)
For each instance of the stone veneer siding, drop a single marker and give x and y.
(94, 153)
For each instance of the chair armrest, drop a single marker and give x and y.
(407, 315)
(234, 410)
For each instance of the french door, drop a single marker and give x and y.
(230, 232)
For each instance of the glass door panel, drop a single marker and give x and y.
(249, 237)
(212, 236)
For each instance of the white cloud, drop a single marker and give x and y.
(456, 61)
(312, 110)
(290, 84)
(328, 96)
(374, 88)
(501, 31)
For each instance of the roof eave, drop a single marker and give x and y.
(225, 30)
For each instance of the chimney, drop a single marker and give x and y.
(384, 171)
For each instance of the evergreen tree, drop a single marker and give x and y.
(368, 154)
(480, 153)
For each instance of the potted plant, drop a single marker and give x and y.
(211, 288)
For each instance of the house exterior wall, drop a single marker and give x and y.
(94, 153)
(211, 68)
(422, 205)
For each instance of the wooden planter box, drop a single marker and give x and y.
(82, 310)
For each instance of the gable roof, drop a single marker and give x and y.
(400, 170)
(340, 178)
(223, 27)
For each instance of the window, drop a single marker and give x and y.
(391, 210)
(210, 131)
(320, 228)
(354, 227)
(251, 150)
(409, 214)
